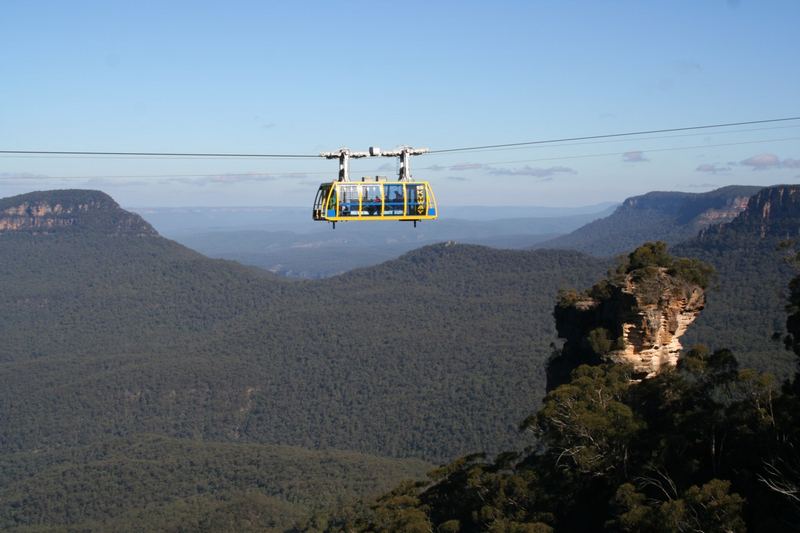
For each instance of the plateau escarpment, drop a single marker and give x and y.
(772, 212)
(671, 217)
(637, 316)
(58, 211)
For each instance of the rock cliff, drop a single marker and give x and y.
(636, 316)
(671, 217)
(772, 212)
(48, 212)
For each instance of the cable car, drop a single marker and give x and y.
(375, 198)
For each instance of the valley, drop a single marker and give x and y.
(121, 346)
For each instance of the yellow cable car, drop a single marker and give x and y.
(342, 201)
(374, 199)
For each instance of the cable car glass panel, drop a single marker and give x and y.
(371, 200)
(320, 209)
(348, 200)
(393, 200)
(333, 203)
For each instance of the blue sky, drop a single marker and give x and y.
(302, 77)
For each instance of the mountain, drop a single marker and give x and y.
(671, 217)
(747, 301)
(114, 333)
(60, 211)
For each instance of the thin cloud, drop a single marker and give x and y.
(466, 166)
(264, 123)
(435, 168)
(22, 176)
(527, 170)
(712, 168)
(104, 182)
(769, 161)
(762, 161)
(687, 66)
(230, 179)
(239, 178)
(635, 156)
(458, 178)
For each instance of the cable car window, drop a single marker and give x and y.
(415, 193)
(393, 198)
(318, 204)
(371, 199)
(348, 201)
(333, 208)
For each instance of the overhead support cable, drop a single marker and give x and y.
(610, 135)
(299, 174)
(158, 154)
(441, 151)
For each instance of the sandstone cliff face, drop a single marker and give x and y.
(652, 327)
(671, 217)
(54, 211)
(773, 212)
(636, 318)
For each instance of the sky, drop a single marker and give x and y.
(305, 77)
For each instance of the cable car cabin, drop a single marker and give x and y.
(343, 201)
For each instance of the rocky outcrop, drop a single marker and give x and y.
(636, 317)
(652, 328)
(54, 211)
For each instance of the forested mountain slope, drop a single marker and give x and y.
(671, 217)
(154, 483)
(114, 333)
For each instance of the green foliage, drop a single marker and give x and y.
(707, 508)
(646, 260)
(599, 341)
(650, 254)
(584, 425)
(150, 482)
(679, 452)
(568, 297)
(692, 271)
